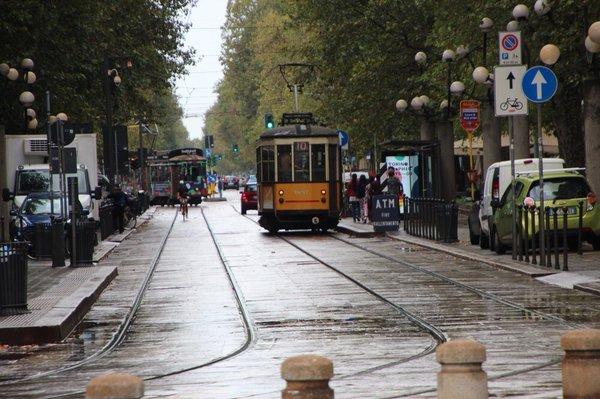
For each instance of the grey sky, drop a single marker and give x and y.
(195, 90)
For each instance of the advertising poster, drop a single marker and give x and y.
(406, 167)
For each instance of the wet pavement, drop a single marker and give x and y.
(298, 302)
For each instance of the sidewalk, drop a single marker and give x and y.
(59, 298)
(583, 274)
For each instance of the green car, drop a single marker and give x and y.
(561, 189)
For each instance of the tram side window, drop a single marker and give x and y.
(284, 163)
(318, 162)
(334, 173)
(267, 164)
(301, 161)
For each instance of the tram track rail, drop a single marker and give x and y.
(438, 336)
(451, 281)
(121, 333)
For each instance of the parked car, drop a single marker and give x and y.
(231, 182)
(497, 179)
(38, 208)
(249, 198)
(561, 189)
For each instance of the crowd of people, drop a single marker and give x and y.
(360, 191)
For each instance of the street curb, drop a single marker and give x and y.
(590, 288)
(62, 319)
(526, 270)
(358, 233)
(217, 199)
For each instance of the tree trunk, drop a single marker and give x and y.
(491, 135)
(521, 135)
(591, 123)
(566, 117)
(445, 136)
(427, 129)
(4, 217)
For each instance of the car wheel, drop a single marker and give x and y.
(474, 238)
(596, 243)
(498, 246)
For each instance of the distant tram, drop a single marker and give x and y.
(169, 168)
(299, 176)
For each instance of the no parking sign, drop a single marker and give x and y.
(509, 47)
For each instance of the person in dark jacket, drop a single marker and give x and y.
(373, 189)
(361, 191)
(352, 199)
(120, 202)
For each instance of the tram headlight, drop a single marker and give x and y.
(280, 192)
(322, 192)
(281, 200)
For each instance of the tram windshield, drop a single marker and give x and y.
(301, 161)
(318, 162)
(284, 163)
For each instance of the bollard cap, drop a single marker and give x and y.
(460, 351)
(307, 368)
(115, 386)
(581, 340)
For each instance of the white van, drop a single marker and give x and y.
(497, 179)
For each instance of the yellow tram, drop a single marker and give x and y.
(299, 177)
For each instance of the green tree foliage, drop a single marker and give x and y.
(365, 53)
(68, 41)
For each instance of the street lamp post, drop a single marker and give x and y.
(111, 80)
(26, 99)
(421, 106)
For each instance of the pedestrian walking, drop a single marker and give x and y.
(361, 191)
(120, 202)
(351, 194)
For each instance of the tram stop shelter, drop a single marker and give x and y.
(417, 163)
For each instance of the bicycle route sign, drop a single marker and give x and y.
(469, 115)
(539, 84)
(509, 48)
(509, 97)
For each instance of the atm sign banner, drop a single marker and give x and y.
(385, 214)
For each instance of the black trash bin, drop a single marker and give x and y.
(13, 278)
(107, 220)
(42, 241)
(85, 238)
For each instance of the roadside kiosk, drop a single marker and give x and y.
(417, 166)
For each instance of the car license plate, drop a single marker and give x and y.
(571, 210)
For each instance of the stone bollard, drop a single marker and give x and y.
(581, 364)
(307, 377)
(115, 386)
(461, 376)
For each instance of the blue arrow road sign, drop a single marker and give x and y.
(207, 153)
(539, 84)
(343, 138)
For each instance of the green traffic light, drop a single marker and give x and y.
(269, 125)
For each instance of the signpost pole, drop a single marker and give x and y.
(539, 85)
(511, 151)
(542, 210)
(470, 151)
